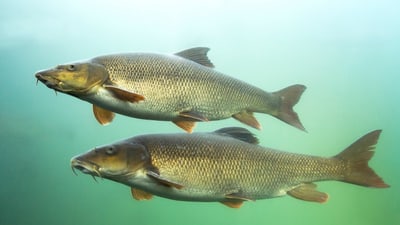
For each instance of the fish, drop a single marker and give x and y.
(227, 166)
(183, 88)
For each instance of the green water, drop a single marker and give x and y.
(345, 52)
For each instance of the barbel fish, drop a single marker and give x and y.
(226, 166)
(182, 88)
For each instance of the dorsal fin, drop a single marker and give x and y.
(198, 55)
(238, 133)
(308, 192)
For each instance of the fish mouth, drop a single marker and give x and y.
(59, 85)
(86, 167)
(49, 81)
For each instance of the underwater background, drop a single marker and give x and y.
(345, 52)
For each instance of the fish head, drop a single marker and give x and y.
(118, 161)
(74, 78)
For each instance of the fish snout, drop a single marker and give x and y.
(47, 80)
(85, 167)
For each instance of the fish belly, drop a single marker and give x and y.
(104, 99)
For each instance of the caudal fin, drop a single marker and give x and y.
(289, 97)
(357, 156)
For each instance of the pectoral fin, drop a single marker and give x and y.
(238, 195)
(140, 195)
(124, 95)
(247, 118)
(193, 115)
(103, 116)
(308, 192)
(163, 181)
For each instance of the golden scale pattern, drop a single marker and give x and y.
(231, 167)
(154, 72)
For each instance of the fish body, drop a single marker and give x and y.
(224, 166)
(182, 88)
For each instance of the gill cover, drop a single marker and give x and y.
(81, 77)
(124, 159)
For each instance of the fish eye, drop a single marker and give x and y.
(71, 67)
(111, 150)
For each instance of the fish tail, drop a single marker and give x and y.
(289, 97)
(356, 158)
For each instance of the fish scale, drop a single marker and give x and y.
(191, 85)
(256, 172)
(182, 88)
(226, 166)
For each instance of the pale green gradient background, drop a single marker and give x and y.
(345, 52)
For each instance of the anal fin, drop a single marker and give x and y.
(103, 116)
(308, 192)
(140, 195)
(247, 118)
